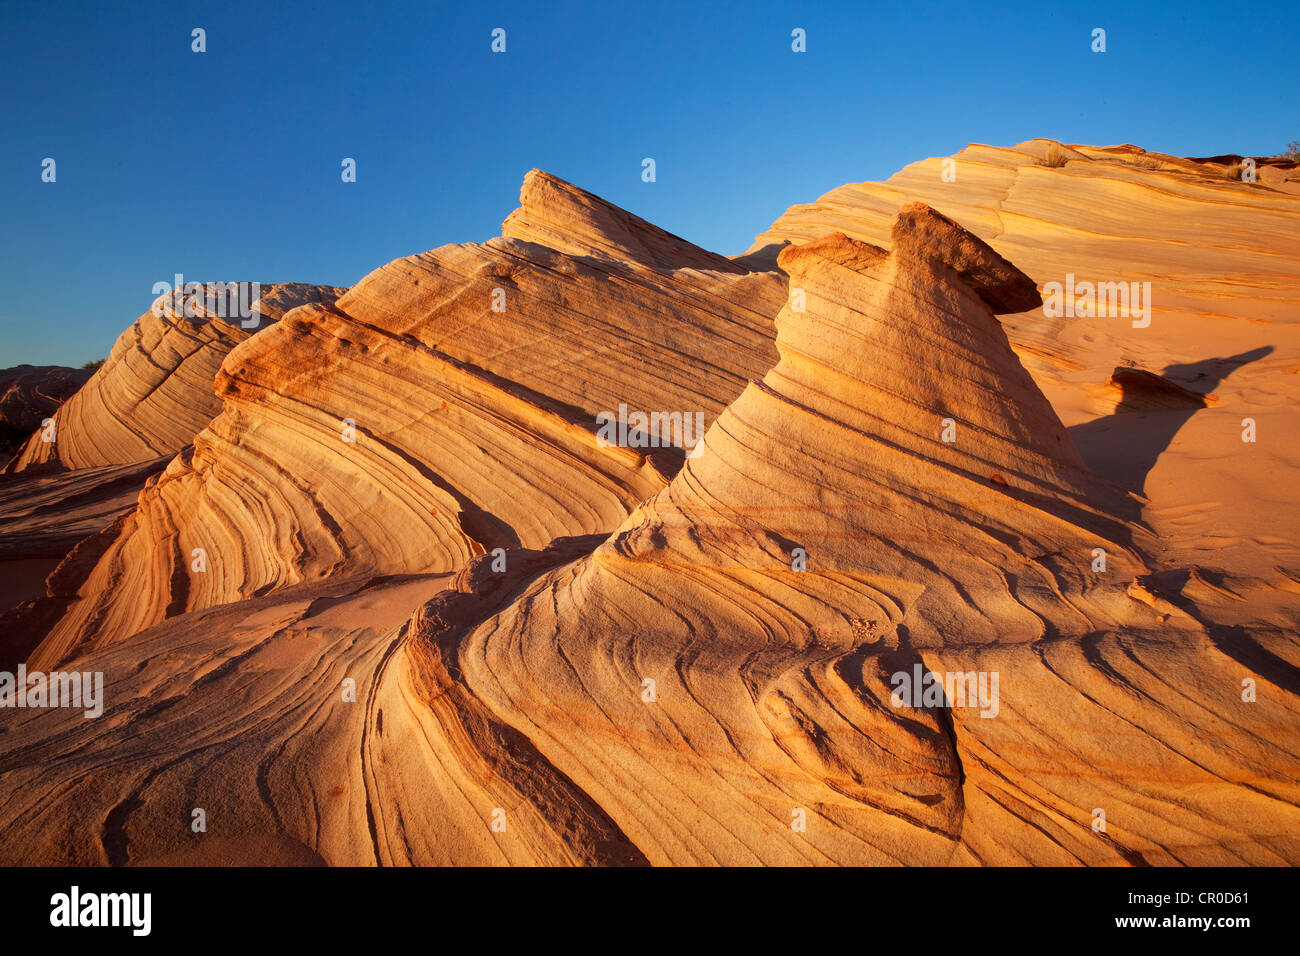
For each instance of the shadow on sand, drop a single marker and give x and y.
(1125, 445)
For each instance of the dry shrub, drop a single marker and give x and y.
(1056, 157)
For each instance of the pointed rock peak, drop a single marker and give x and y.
(921, 232)
(898, 439)
(558, 214)
(903, 347)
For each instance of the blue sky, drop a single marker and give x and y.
(225, 165)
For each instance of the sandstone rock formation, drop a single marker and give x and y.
(1138, 390)
(51, 522)
(28, 395)
(409, 426)
(773, 683)
(1223, 261)
(154, 391)
(909, 470)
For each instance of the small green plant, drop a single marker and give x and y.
(93, 365)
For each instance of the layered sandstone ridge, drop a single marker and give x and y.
(154, 391)
(28, 394)
(725, 662)
(445, 406)
(1078, 217)
(1220, 260)
(695, 659)
(559, 215)
(1080, 213)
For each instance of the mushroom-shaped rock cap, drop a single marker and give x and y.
(920, 231)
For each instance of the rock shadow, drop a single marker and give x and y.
(1125, 445)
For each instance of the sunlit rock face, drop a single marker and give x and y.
(446, 406)
(154, 391)
(959, 573)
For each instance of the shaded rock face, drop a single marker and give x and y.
(154, 391)
(28, 395)
(50, 538)
(720, 657)
(445, 406)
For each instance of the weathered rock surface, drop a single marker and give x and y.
(409, 426)
(154, 391)
(1223, 261)
(28, 395)
(695, 659)
(50, 524)
(773, 675)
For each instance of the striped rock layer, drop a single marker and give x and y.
(154, 391)
(769, 733)
(444, 407)
(695, 659)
